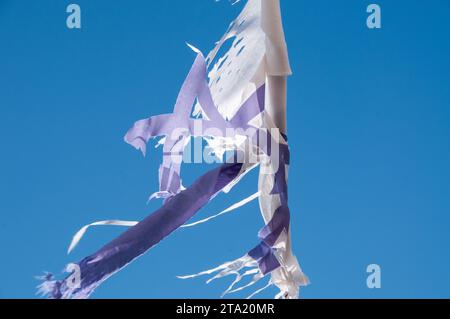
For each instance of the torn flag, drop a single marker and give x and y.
(240, 106)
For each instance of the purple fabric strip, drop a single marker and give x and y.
(279, 222)
(264, 253)
(138, 239)
(265, 256)
(194, 87)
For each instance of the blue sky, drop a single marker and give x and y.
(368, 112)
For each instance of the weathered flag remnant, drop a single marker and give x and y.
(239, 104)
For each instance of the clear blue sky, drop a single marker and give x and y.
(369, 129)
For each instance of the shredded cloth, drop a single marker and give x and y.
(237, 103)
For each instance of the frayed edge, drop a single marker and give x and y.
(159, 195)
(270, 283)
(238, 268)
(49, 287)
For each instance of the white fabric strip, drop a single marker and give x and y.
(76, 239)
(260, 290)
(229, 209)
